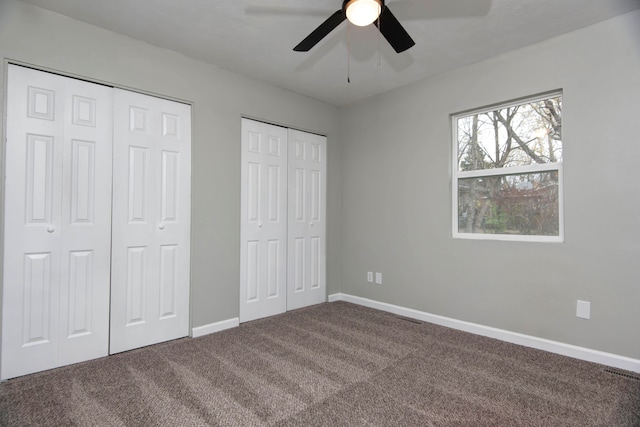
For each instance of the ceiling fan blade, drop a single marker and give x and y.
(393, 31)
(319, 33)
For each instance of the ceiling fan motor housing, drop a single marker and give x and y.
(362, 12)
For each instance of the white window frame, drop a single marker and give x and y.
(516, 170)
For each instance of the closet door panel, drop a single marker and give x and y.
(307, 224)
(56, 277)
(32, 222)
(263, 257)
(151, 221)
(86, 222)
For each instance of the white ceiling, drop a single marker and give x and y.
(256, 37)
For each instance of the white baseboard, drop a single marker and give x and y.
(215, 327)
(596, 356)
(336, 297)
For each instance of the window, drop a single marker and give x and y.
(507, 172)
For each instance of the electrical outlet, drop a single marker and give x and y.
(378, 278)
(370, 276)
(583, 309)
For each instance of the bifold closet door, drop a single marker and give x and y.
(306, 283)
(282, 259)
(57, 225)
(263, 257)
(151, 221)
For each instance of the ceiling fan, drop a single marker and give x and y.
(362, 13)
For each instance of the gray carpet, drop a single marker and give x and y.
(331, 364)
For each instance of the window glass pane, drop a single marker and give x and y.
(524, 134)
(523, 204)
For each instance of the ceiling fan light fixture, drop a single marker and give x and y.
(363, 12)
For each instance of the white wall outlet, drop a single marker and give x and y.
(378, 278)
(583, 309)
(370, 276)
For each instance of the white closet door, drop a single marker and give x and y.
(57, 222)
(306, 284)
(86, 222)
(150, 272)
(263, 240)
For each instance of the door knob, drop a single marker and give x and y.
(259, 225)
(51, 229)
(310, 224)
(161, 226)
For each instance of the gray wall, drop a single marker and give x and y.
(396, 213)
(35, 36)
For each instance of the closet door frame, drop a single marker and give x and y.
(301, 274)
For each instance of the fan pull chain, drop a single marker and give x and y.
(379, 64)
(348, 52)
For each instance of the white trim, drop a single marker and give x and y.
(508, 237)
(211, 328)
(513, 103)
(582, 353)
(336, 297)
(512, 170)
